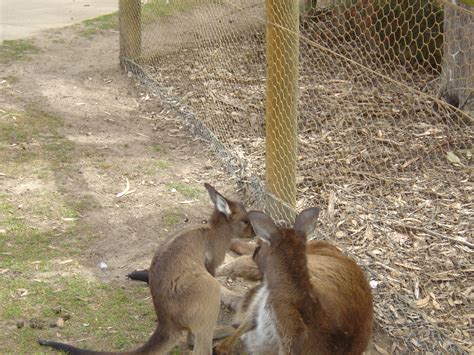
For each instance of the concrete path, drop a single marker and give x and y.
(24, 18)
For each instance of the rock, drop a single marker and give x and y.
(60, 323)
(36, 323)
(57, 309)
(103, 266)
(20, 324)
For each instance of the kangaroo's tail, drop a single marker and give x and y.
(139, 275)
(71, 350)
(162, 340)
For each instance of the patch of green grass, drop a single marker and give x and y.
(161, 8)
(155, 166)
(157, 148)
(170, 218)
(84, 203)
(13, 310)
(55, 206)
(8, 216)
(35, 284)
(186, 190)
(31, 142)
(105, 22)
(103, 314)
(23, 244)
(60, 150)
(69, 212)
(42, 174)
(104, 165)
(23, 126)
(162, 164)
(89, 32)
(11, 50)
(39, 169)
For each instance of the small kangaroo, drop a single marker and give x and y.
(185, 294)
(313, 299)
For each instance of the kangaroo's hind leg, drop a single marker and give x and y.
(241, 247)
(203, 314)
(242, 266)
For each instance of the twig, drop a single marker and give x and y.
(434, 234)
(126, 190)
(384, 266)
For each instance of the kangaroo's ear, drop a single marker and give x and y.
(305, 222)
(263, 226)
(220, 202)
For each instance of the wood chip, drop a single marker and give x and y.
(126, 190)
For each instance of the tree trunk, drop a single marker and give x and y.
(458, 69)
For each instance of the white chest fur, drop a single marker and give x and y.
(264, 338)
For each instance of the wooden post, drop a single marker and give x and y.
(130, 29)
(282, 48)
(458, 69)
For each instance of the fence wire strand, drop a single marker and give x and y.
(384, 135)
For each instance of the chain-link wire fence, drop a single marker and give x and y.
(371, 120)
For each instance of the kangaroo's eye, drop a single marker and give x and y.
(246, 222)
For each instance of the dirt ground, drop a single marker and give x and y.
(116, 131)
(108, 115)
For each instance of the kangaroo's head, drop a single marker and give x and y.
(282, 248)
(231, 215)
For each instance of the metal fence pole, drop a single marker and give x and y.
(130, 29)
(282, 48)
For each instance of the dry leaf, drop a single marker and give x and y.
(63, 262)
(423, 302)
(436, 305)
(453, 158)
(380, 349)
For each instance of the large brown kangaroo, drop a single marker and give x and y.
(185, 294)
(313, 299)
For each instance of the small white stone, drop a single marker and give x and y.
(103, 266)
(374, 284)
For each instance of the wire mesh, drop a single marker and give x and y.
(384, 135)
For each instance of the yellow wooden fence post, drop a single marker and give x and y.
(282, 49)
(130, 29)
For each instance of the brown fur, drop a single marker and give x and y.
(185, 294)
(320, 299)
